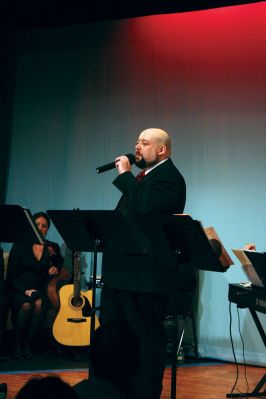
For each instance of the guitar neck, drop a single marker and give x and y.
(77, 273)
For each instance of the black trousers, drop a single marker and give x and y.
(145, 312)
(4, 305)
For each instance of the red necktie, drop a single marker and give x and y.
(140, 176)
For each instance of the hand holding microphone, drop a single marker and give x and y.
(120, 163)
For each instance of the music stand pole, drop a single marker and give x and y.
(174, 351)
(94, 278)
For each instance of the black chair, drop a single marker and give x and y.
(181, 312)
(181, 304)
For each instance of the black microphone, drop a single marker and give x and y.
(111, 165)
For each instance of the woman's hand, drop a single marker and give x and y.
(29, 292)
(51, 250)
(53, 271)
(250, 247)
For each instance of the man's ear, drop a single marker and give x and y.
(162, 150)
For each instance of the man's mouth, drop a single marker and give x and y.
(140, 162)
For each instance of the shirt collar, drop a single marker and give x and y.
(155, 166)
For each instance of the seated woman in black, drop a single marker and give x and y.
(30, 267)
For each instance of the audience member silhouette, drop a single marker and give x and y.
(52, 387)
(114, 360)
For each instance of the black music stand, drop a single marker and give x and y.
(16, 223)
(194, 251)
(93, 231)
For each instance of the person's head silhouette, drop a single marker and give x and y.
(52, 387)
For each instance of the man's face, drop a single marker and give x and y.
(147, 150)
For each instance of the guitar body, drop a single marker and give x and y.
(72, 325)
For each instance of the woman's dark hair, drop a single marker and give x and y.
(43, 215)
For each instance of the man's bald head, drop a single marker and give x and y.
(157, 135)
(153, 146)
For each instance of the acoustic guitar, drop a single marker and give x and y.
(72, 325)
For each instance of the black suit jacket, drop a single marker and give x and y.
(161, 192)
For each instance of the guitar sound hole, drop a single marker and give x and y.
(76, 301)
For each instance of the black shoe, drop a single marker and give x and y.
(3, 356)
(27, 353)
(17, 354)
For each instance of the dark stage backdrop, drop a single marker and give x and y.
(84, 93)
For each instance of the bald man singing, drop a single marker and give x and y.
(136, 286)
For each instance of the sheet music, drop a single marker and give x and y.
(247, 267)
(217, 244)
